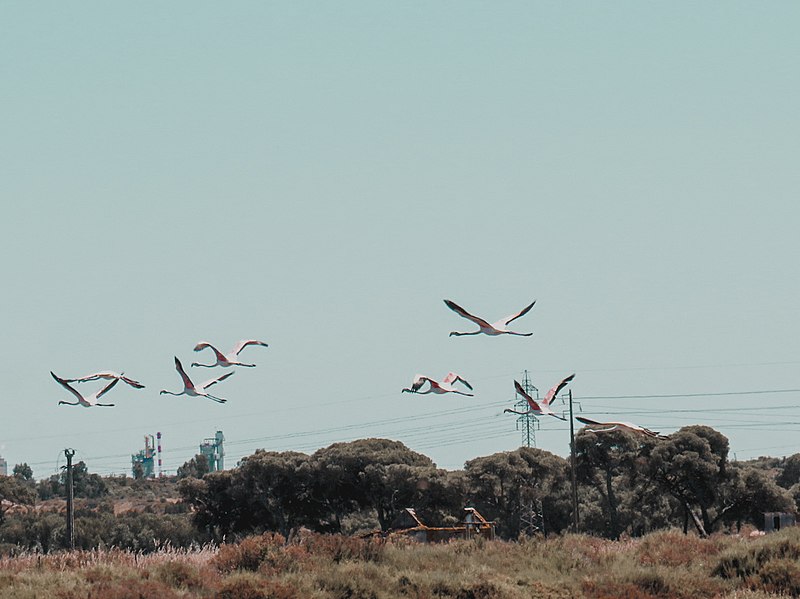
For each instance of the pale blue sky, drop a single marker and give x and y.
(322, 175)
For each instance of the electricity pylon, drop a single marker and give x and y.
(527, 423)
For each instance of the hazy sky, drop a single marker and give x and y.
(322, 175)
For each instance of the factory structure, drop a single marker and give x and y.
(213, 450)
(143, 463)
(147, 462)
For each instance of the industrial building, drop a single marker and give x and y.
(143, 463)
(214, 451)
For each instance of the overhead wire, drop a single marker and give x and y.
(442, 438)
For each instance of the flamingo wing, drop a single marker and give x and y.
(204, 344)
(551, 395)
(615, 425)
(245, 342)
(187, 382)
(131, 382)
(419, 380)
(106, 375)
(639, 429)
(452, 377)
(458, 377)
(93, 377)
(213, 382)
(105, 389)
(531, 402)
(66, 386)
(523, 312)
(434, 384)
(464, 314)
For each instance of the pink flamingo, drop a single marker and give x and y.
(226, 360)
(445, 386)
(610, 426)
(189, 388)
(87, 401)
(107, 375)
(541, 408)
(497, 328)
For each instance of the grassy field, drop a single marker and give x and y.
(664, 564)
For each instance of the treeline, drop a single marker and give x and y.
(627, 484)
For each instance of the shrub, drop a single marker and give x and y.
(248, 554)
(128, 589)
(179, 575)
(609, 589)
(746, 560)
(673, 548)
(779, 576)
(339, 548)
(250, 586)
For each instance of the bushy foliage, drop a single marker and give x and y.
(197, 467)
(664, 564)
(248, 554)
(627, 486)
(789, 472)
(503, 486)
(748, 560)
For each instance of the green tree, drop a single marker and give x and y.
(23, 472)
(790, 472)
(365, 474)
(213, 507)
(274, 489)
(751, 492)
(691, 466)
(138, 471)
(85, 484)
(14, 491)
(602, 461)
(503, 485)
(197, 467)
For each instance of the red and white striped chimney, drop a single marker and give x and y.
(160, 471)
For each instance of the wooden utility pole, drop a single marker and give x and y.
(70, 507)
(575, 519)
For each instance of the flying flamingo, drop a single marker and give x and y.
(189, 388)
(610, 426)
(497, 328)
(107, 375)
(541, 408)
(445, 386)
(229, 359)
(85, 401)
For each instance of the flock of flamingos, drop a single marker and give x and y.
(446, 385)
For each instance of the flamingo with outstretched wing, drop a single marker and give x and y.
(446, 385)
(192, 390)
(230, 359)
(498, 328)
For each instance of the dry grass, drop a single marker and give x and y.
(664, 564)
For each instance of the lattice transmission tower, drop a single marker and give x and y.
(527, 424)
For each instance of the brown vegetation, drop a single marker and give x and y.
(315, 566)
